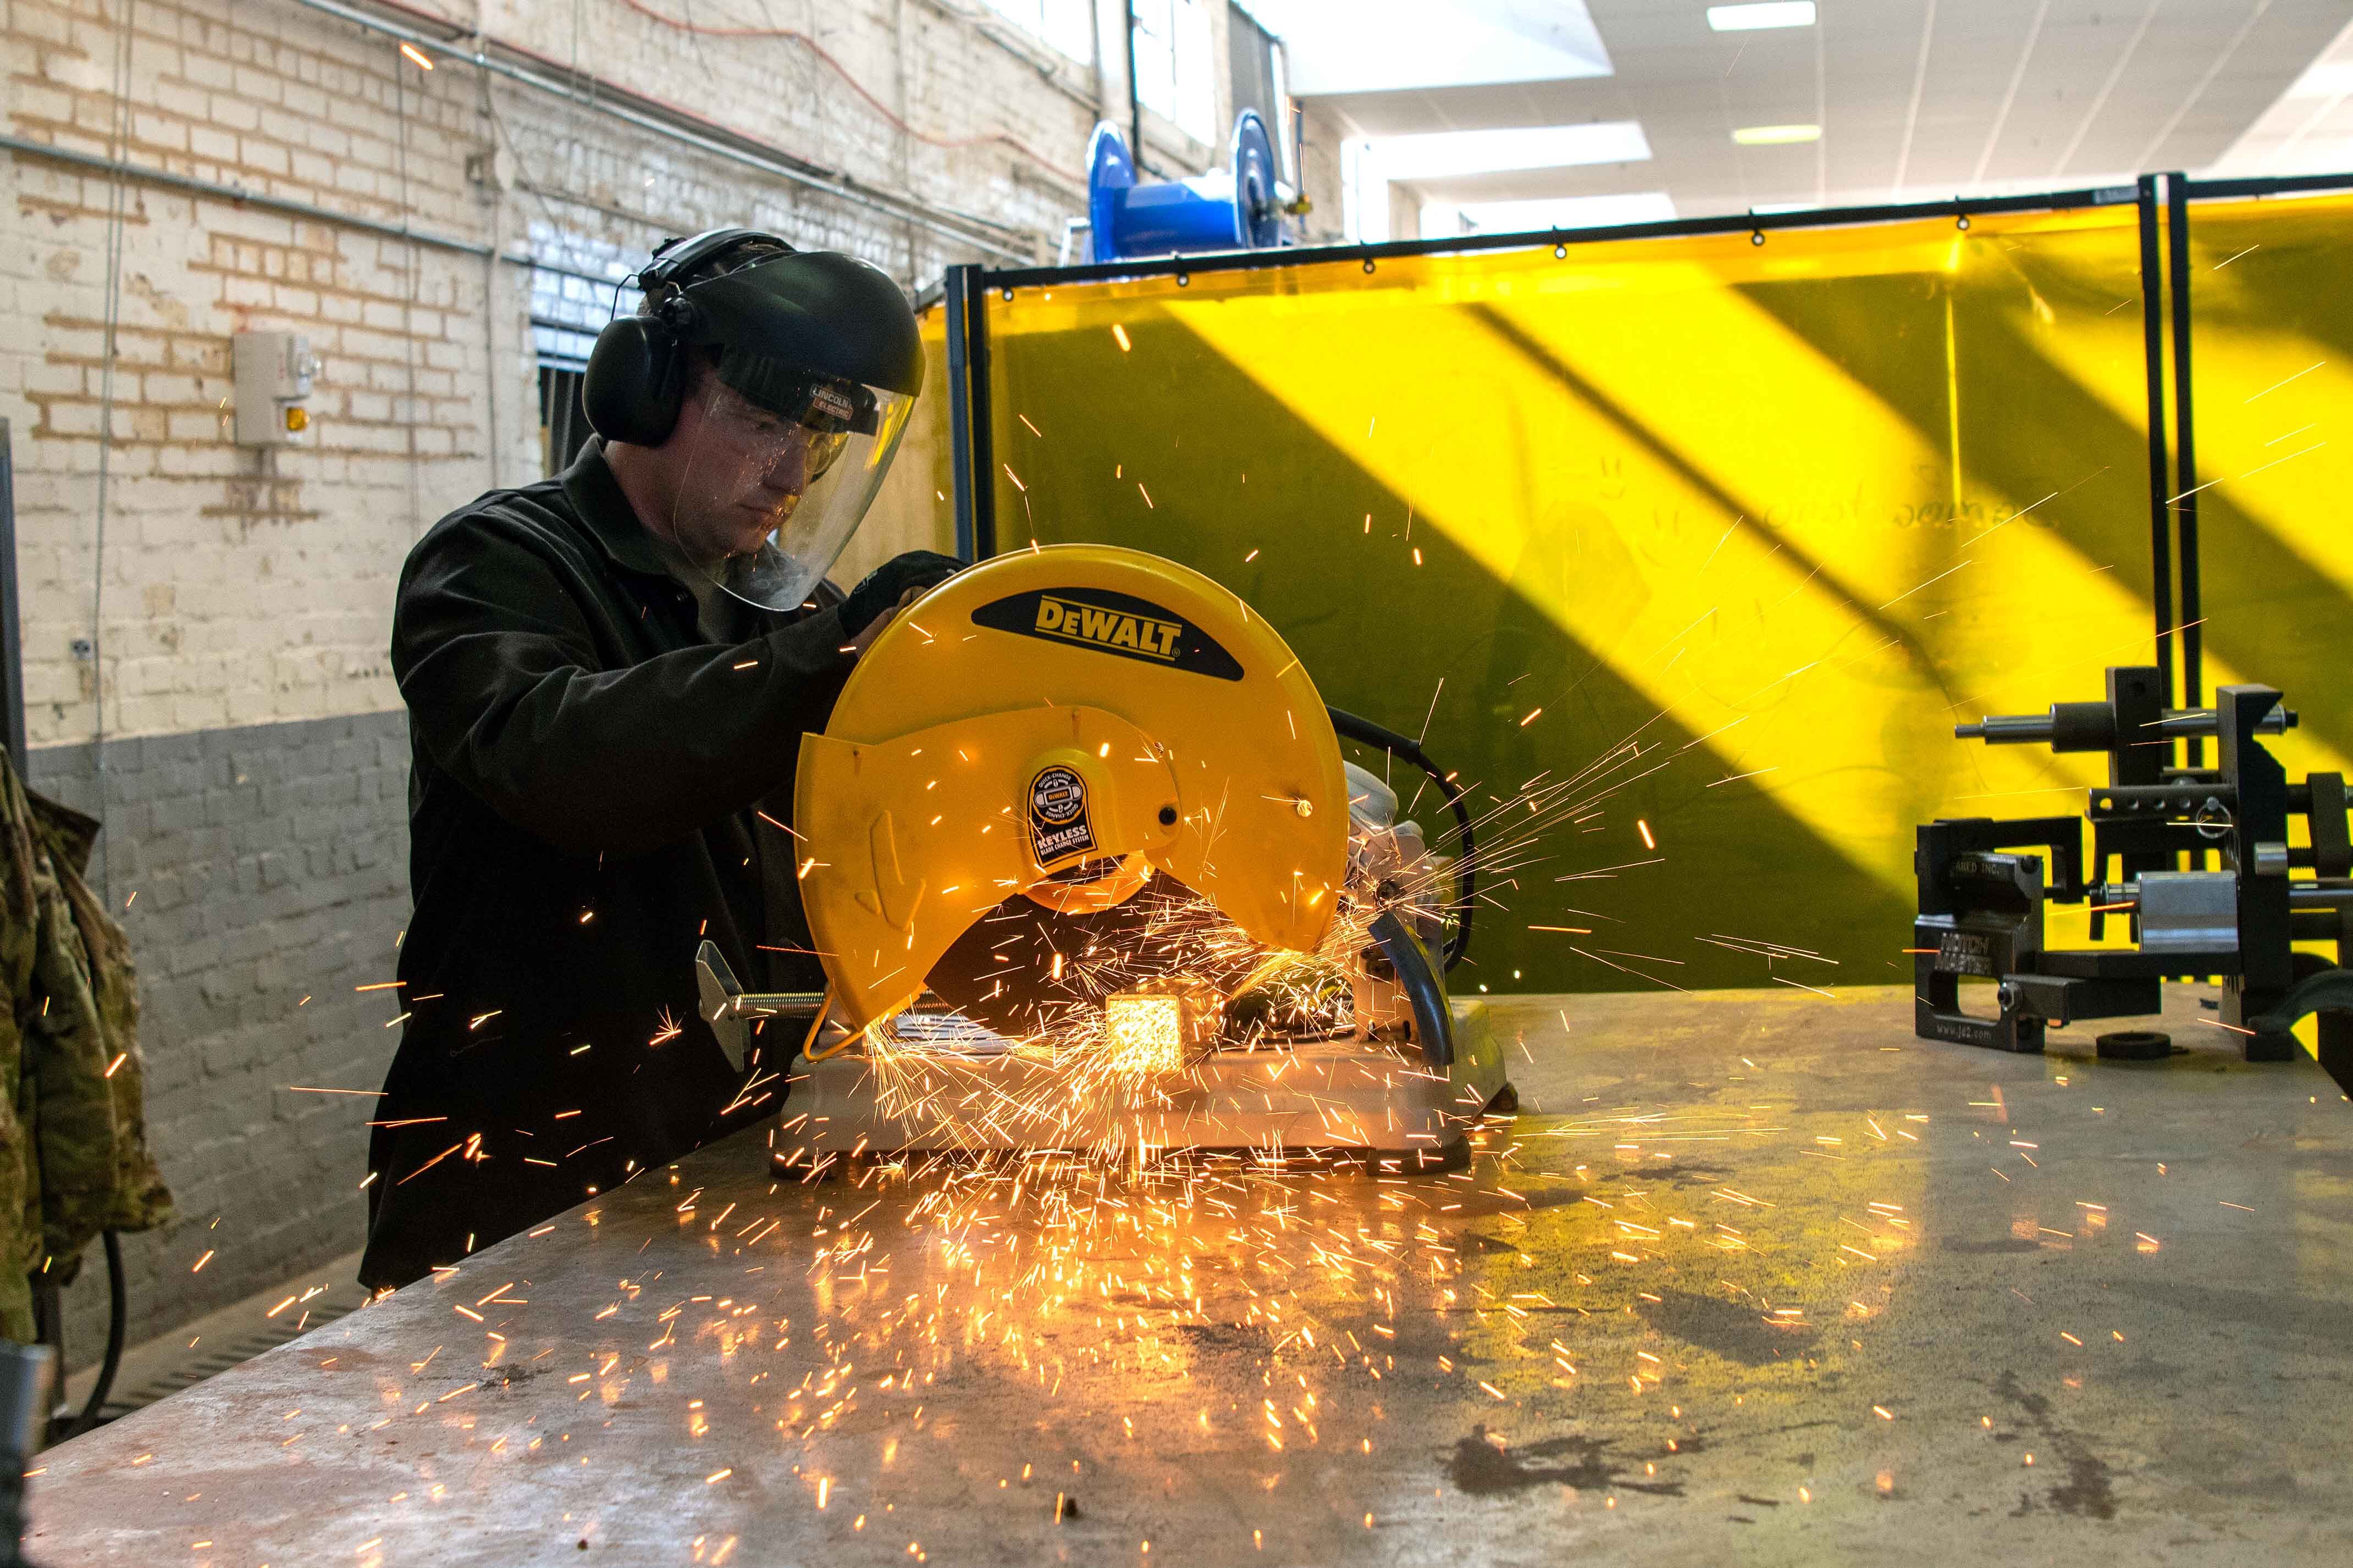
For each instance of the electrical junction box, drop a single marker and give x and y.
(272, 372)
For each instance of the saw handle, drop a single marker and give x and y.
(809, 1053)
(1363, 731)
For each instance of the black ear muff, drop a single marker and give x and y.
(630, 391)
(637, 371)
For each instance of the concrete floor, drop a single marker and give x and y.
(1831, 1293)
(207, 1346)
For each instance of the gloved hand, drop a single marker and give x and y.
(882, 589)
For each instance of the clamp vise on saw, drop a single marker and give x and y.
(2155, 828)
(1086, 871)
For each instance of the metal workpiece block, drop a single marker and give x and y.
(2189, 911)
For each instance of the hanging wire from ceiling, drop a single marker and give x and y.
(589, 93)
(794, 36)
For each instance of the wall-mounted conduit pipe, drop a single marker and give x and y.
(616, 102)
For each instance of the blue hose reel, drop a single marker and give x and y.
(1233, 208)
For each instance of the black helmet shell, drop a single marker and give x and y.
(820, 311)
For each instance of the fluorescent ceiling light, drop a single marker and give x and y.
(1776, 135)
(1388, 45)
(2324, 79)
(1757, 19)
(1568, 212)
(1442, 154)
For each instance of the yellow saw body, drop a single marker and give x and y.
(1046, 710)
(1065, 724)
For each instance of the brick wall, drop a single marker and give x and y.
(1319, 175)
(264, 880)
(214, 627)
(239, 587)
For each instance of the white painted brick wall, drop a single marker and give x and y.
(240, 587)
(246, 598)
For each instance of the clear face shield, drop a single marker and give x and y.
(779, 468)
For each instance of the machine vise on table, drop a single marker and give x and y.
(2155, 826)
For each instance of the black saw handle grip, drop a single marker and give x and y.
(1349, 727)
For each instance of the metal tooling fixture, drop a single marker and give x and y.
(1981, 901)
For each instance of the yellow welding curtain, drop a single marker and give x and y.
(2272, 390)
(1730, 533)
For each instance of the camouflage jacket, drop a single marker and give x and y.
(73, 1142)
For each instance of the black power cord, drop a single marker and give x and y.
(1466, 877)
(49, 1319)
(118, 1315)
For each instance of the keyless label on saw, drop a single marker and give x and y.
(1059, 825)
(1112, 623)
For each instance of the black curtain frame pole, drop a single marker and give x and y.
(972, 461)
(2266, 185)
(1733, 222)
(956, 297)
(2185, 455)
(1758, 223)
(2160, 515)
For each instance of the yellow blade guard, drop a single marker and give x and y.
(1057, 707)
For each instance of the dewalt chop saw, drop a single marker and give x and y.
(1087, 872)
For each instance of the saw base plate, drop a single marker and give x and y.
(970, 1092)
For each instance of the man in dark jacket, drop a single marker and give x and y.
(607, 675)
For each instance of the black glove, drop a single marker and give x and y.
(883, 588)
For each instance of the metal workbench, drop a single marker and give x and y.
(1831, 1293)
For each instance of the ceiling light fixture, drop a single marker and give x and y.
(1776, 135)
(1445, 154)
(1756, 18)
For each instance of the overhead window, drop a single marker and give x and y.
(563, 423)
(1256, 64)
(576, 287)
(1174, 74)
(1068, 25)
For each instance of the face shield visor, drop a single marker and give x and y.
(781, 466)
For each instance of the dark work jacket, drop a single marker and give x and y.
(595, 787)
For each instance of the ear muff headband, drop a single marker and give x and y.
(636, 374)
(680, 257)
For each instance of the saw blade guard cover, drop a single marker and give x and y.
(1059, 708)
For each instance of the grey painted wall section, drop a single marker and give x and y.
(259, 865)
